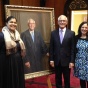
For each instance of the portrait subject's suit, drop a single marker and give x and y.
(62, 55)
(34, 51)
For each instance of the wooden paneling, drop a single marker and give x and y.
(59, 9)
(50, 3)
(58, 6)
(16, 2)
(1, 15)
(25, 2)
(31, 3)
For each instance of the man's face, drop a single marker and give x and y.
(62, 22)
(31, 25)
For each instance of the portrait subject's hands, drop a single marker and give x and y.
(52, 63)
(47, 54)
(27, 64)
(71, 65)
(23, 53)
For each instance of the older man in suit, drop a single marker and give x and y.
(62, 52)
(35, 48)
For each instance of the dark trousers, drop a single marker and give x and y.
(83, 83)
(59, 70)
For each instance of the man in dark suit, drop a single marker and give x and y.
(62, 52)
(35, 48)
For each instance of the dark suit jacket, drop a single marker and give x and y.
(62, 52)
(34, 50)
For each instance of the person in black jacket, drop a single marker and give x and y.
(62, 52)
(12, 50)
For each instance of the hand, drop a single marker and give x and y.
(27, 64)
(23, 54)
(47, 54)
(71, 65)
(52, 63)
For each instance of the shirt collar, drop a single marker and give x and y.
(31, 31)
(64, 29)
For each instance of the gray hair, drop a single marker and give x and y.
(59, 18)
(30, 20)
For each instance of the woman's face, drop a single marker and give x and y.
(12, 24)
(84, 29)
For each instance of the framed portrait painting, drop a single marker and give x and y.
(45, 23)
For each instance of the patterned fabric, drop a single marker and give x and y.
(10, 39)
(81, 61)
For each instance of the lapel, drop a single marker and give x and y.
(35, 36)
(29, 37)
(57, 36)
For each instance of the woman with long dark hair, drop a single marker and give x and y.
(81, 58)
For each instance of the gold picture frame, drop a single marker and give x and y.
(78, 16)
(45, 24)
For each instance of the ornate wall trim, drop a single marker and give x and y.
(75, 5)
(78, 4)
